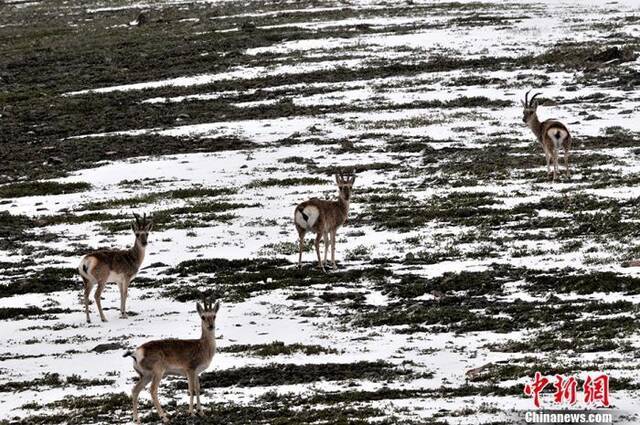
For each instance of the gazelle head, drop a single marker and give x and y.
(345, 184)
(529, 107)
(208, 313)
(141, 228)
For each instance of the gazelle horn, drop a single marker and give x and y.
(532, 98)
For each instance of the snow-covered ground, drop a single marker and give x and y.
(353, 123)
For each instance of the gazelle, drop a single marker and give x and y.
(551, 134)
(115, 265)
(324, 218)
(186, 357)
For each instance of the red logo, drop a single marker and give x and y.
(596, 390)
(535, 388)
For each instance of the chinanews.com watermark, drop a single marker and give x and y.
(568, 417)
(573, 402)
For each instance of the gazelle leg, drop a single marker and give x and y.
(317, 243)
(326, 241)
(97, 296)
(88, 286)
(120, 291)
(555, 165)
(301, 239)
(566, 161)
(139, 386)
(190, 380)
(548, 158)
(124, 293)
(197, 382)
(333, 249)
(157, 376)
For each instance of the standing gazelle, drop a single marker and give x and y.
(114, 265)
(186, 357)
(551, 134)
(324, 218)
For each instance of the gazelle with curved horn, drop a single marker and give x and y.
(115, 265)
(552, 134)
(186, 357)
(324, 218)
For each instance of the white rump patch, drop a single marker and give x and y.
(81, 266)
(138, 355)
(88, 263)
(558, 136)
(312, 214)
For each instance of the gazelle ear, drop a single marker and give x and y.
(199, 309)
(352, 179)
(216, 307)
(150, 226)
(337, 178)
(133, 227)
